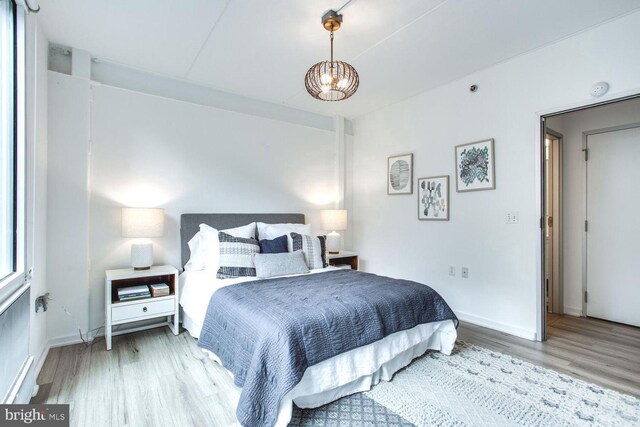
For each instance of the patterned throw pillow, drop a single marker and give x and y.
(236, 256)
(313, 247)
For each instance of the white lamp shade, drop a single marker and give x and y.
(142, 222)
(333, 219)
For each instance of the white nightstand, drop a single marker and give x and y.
(121, 312)
(343, 259)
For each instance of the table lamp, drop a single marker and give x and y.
(334, 220)
(142, 223)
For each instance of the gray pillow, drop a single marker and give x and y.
(270, 265)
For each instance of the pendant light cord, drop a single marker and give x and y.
(344, 5)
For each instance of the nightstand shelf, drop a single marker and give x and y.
(122, 312)
(344, 259)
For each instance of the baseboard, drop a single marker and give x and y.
(17, 392)
(573, 311)
(31, 381)
(65, 340)
(28, 386)
(75, 338)
(496, 326)
(40, 361)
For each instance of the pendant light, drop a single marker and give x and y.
(331, 80)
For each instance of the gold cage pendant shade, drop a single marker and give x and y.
(332, 80)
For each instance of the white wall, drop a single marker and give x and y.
(38, 185)
(147, 150)
(504, 270)
(36, 194)
(68, 206)
(572, 126)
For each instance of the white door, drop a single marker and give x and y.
(613, 236)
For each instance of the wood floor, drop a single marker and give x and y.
(154, 378)
(597, 351)
(149, 378)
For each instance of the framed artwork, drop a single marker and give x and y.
(475, 169)
(400, 174)
(433, 198)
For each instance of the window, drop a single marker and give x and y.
(12, 148)
(8, 146)
(14, 288)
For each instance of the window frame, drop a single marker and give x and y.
(16, 282)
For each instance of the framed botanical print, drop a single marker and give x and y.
(475, 168)
(400, 174)
(433, 198)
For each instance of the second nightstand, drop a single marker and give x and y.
(120, 312)
(343, 259)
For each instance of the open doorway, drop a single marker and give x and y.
(589, 219)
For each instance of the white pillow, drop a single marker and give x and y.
(197, 260)
(271, 231)
(211, 245)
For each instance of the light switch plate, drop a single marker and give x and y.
(512, 217)
(465, 272)
(452, 270)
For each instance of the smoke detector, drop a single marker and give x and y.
(599, 89)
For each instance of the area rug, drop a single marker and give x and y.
(477, 387)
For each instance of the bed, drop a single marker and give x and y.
(335, 333)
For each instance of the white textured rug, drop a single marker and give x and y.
(477, 387)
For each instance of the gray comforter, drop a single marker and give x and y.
(268, 332)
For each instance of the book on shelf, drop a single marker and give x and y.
(160, 290)
(133, 290)
(134, 296)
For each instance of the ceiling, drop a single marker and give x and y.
(262, 49)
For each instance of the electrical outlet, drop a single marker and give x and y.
(464, 272)
(452, 270)
(512, 217)
(42, 302)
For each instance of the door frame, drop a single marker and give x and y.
(557, 230)
(585, 234)
(540, 116)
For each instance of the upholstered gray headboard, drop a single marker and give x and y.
(190, 224)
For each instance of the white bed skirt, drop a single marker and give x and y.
(359, 369)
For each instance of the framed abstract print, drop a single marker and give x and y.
(400, 174)
(475, 168)
(433, 198)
